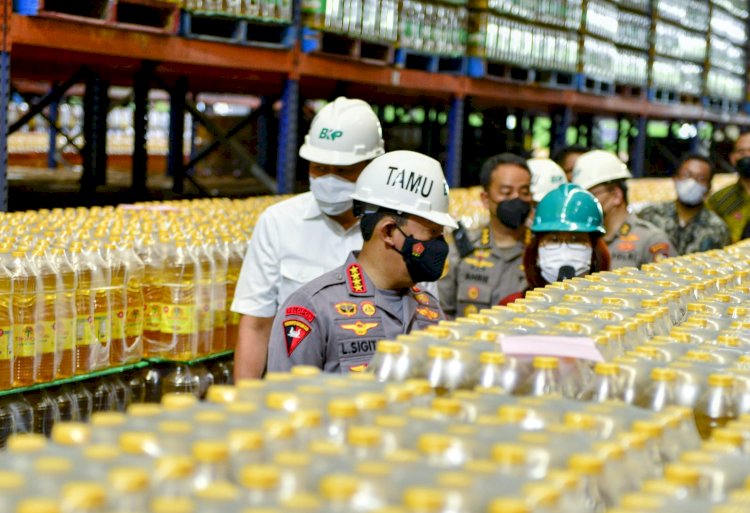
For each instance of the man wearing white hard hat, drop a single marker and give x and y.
(303, 237)
(546, 176)
(632, 241)
(494, 268)
(335, 321)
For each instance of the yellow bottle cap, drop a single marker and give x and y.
(492, 358)
(128, 479)
(339, 487)
(260, 477)
(71, 433)
(606, 369)
(307, 419)
(586, 464)
(221, 394)
(171, 504)
(299, 502)
(25, 443)
(342, 408)
(83, 496)
(419, 387)
(371, 401)
(390, 421)
(210, 451)
(107, 419)
(245, 440)
(305, 371)
(178, 402)
(442, 352)
(541, 495)
(282, 401)
(682, 474)
(447, 406)
(545, 362)
(509, 454)
(292, 459)
(174, 467)
(663, 374)
(641, 501)
(390, 347)
(698, 458)
(364, 436)
(53, 465)
(728, 436)
(101, 452)
(424, 499)
(660, 487)
(38, 506)
(720, 380)
(434, 443)
(221, 491)
(144, 410)
(10, 480)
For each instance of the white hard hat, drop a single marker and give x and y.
(546, 175)
(598, 166)
(343, 133)
(406, 181)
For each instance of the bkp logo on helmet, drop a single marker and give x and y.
(330, 134)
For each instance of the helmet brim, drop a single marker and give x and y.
(334, 158)
(440, 218)
(558, 226)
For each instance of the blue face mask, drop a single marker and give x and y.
(425, 259)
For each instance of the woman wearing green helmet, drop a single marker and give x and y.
(567, 239)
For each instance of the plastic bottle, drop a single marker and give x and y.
(212, 458)
(6, 331)
(160, 504)
(660, 393)
(261, 484)
(605, 385)
(153, 295)
(179, 335)
(101, 289)
(424, 500)
(716, 406)
(589, 468)
(545, 378)
(45, 411)
(245, 448)
(204, 283)
(218, 498)
(181, 380)
(338, 492)
(24, 311)
(173, 476)
(85, 348)
(38, 505)
(128, 490)
(685, 477)
(65, 311)
(234, 265)
(220, 257)
(84, 497)
(134, 305)
(11, 487)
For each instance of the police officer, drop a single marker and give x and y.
(335, 321)
(632, 241)
(732, 203)
(494, 269)
(300, 238)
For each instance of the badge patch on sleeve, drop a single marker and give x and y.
(659, 251)
(356, 280)
(422, 298)
(300, 311)
(295, 332)
(428, 313)
(368, 308)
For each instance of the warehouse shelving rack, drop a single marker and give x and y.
(65, 53)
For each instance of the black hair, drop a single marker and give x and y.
(561, 154)
(489, 166)
(697, 156)
(370, 219)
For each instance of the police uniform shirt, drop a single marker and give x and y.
(293, 242)
(483, 278)
(705, 231)
(638, 242)
(335, 321)
(732, 203)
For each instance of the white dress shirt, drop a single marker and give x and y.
(293, 243)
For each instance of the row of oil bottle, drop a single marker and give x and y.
(82, 290)
(308, 442)
(38, 410)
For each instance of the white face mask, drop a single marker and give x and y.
(690, 192)
(332, 193)
(577, 256)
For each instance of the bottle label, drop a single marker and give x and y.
(24, 340)
(153, 317)
(101, 328)
(134, 322)
(46, 332)
(178, 319)
(118, 324)
(66, 333)
(204, 318)
(84, 330)
(6, 343)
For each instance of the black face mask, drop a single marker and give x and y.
(424, 259)
(743, 167)
(513, 213)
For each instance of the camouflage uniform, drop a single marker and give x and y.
(638, 242)
(335, 321)
(732, 203)
(703, 232)
(482, 278)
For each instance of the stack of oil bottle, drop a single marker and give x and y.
(86, 291)
(448, 420)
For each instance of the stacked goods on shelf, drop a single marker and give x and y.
(598, 58)
(632, 40)
(680, 32)
(83, 290)
(511, 40)
(726, 65)
(436, 28)
(452, 418)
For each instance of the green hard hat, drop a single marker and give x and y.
(568, 209)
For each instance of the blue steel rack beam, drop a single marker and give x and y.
(455, 141)
(286, 160)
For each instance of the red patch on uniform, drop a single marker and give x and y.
(662, 247)
(626, 246)
(417, 249)
(416, 289)
(301, 311)
(356, 279)
(295, 332)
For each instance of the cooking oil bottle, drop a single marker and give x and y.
(115, 270)
(149, 253)
(100, 289)
(660, 393)
(234, 265)
(716, 406)
(204, 293)
(85, 350)
(545, 378)
(65, 311)
(178, 324)
(46, 302)
(220, 259)
(6, 329)
(134, 304)
(24, 319)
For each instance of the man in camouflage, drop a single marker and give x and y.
(732, 203)
(687, 221)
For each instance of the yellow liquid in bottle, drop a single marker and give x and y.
(219, 300)
(205, 293)
(24, 321)
(6, 341)
(178, 324)
(84, 320)
(45, 322)
(65, 319)
(234, 264)
(102, 310)
(134, 320)
(117, 318)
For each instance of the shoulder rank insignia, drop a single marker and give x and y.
(625, 229)
(428, 313)
(295, 332)
(356, 280)
(422, 298)
(360, 328)
(484, 239)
